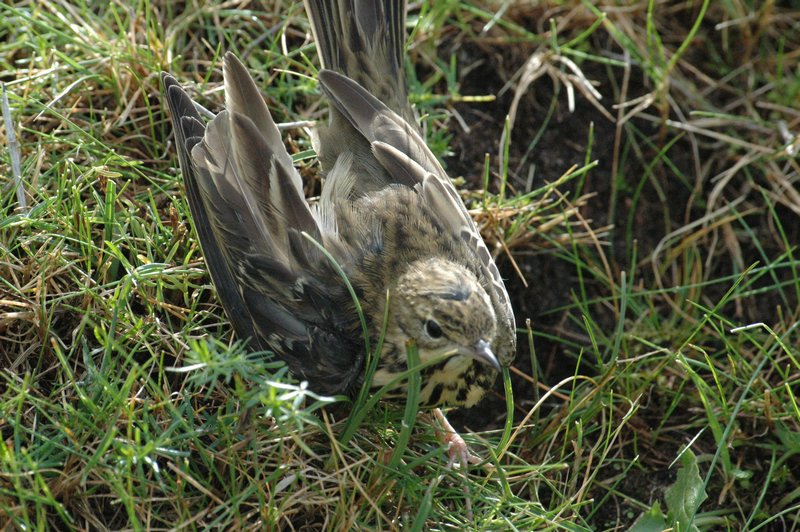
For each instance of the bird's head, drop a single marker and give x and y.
(442, 306)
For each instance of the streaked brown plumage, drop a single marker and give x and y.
(388, 215)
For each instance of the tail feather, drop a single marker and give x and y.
(365, 41)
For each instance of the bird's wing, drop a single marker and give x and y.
(250, 214)
(405, 156)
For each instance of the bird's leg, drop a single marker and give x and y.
(457, 448)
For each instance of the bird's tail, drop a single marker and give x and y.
(365, 41)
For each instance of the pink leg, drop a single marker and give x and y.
(457, 449)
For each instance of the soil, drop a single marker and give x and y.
(561, 145)
(665, 203)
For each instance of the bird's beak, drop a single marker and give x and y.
(482, 352)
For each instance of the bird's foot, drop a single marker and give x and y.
(458, 452)
(457, 449)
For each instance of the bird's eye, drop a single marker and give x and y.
(433, 330)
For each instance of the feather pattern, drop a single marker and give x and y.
(388, 215)
(406, 157)
(249, 211)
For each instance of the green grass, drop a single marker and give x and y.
(659, 381)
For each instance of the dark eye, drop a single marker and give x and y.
(433, 330)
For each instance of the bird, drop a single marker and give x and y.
(387, 255)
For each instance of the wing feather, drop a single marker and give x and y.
(249, 212)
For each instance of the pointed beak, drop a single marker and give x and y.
(482, 352)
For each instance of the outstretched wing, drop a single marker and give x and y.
(250, 215)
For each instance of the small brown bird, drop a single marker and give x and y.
(388, 216)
